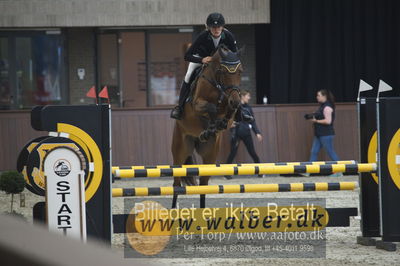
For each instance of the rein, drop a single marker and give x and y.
(232, 67)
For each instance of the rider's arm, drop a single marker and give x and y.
(192, 54)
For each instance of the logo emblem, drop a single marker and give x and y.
(62, 167)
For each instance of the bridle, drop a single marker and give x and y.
(231, 67)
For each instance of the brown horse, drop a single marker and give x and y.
(215, 99)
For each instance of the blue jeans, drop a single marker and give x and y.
(325, 142)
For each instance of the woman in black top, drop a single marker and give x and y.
(200, 53)
(323, 126)
(242, 131)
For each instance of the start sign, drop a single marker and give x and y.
(65, 192)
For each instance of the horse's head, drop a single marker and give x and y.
(228, 69)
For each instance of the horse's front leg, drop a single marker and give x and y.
(223, 123)
(202, 106)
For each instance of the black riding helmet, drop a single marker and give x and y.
(215, 19)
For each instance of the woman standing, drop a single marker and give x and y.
(241, 130)
(323, 126)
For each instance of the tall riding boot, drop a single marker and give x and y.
(241, 116)
(177, 112)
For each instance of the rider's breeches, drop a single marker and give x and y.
(192, 66)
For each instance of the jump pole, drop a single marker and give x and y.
(164, 166)
(228, 189)
(246, 170)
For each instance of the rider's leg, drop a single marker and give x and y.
(184, 93)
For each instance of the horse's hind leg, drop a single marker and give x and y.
(182, 148)
(189, 180)
(177, 181)
(208, 152)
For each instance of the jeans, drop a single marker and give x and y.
(325, 142)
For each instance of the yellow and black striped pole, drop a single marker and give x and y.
(165, 166)
(225, 189)
(246, 170)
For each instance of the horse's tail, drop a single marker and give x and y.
(189, 180)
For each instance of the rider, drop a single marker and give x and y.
(200, 53)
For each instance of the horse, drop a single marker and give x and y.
(215, 99)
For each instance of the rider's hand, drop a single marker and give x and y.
(259, 137)
(233, 124)
(206, 60)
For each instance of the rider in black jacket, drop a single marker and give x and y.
(204, 45)
(200, 53)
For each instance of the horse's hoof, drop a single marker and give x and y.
(222, 125)
(212, 134)
(203, 137)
